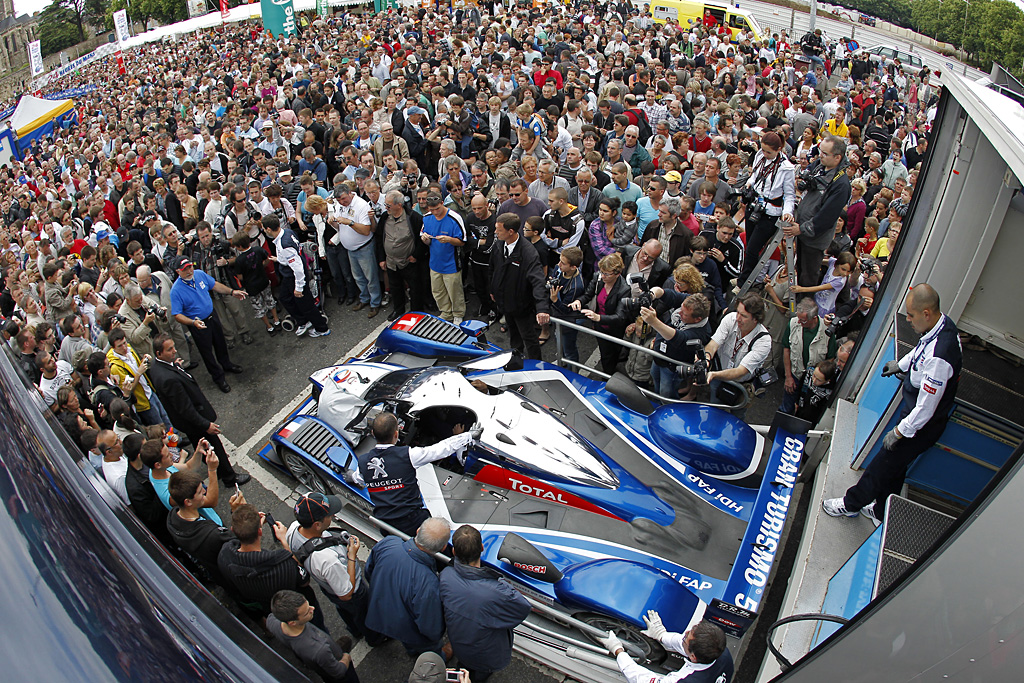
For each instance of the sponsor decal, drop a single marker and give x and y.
(761, 540)
(532, 568)
(376, 467)
(929, 388)
(496, 476)
(407, 322)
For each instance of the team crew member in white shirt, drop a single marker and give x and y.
(931, 374)
(708, 660)
(294, 292)
(741, 343)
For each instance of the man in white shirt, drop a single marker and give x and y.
(115, 465)
(742, 343)
(355, 230)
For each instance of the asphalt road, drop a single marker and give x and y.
(774, 18)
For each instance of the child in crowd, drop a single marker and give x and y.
(816, 386)
(705, 208)
(629, 227)
(249, 265)
(836, 274)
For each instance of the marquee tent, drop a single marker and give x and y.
(34, 118)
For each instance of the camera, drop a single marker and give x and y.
(645, 299)
(119, 318)
(552, 282)
(837, 324)
(696, 372)
(158, 311)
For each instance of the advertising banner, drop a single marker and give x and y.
(35, 57)
(224, 10)
(278, 16)
(322, 9)
(121, 25)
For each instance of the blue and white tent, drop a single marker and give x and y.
(34, 118)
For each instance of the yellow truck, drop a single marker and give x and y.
(690, 13)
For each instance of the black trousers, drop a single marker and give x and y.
(886, 473)
(524, 334)
(225, 472)
(410, 277)
(212, 347)
(808, 265)
(303, 309)
(757, 237)
(610, 354)
(482, 285)
(409, 522)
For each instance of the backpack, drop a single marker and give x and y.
(643, 125)
(316, 544)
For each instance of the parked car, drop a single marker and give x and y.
(890, 53)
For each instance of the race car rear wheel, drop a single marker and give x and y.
(653, 652)
(304, 472)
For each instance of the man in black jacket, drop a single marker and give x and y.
(645, 259)
(187, 406)
(826, 194)
(402, 253)
(517, 286)
(257, 574)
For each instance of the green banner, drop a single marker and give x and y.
(322, 9)
(278, 16)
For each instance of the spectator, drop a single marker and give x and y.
(741, 344)
(804, 344)
(444, 232)
(681, 340)
(189, 522)
(289, 624)
(610, 293)
(405, 598)
(355, 224)
(480, 609)
(517, 286)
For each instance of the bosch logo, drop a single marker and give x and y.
(532, 568)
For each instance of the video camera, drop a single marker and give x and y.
(646, 299)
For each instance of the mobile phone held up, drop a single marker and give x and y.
(269, 518)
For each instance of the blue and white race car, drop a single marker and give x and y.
(595, 502)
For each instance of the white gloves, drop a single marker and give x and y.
(655, 629)
(612, 642)
(891, 439)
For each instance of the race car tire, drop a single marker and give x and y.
(303, 471)
(654, 653)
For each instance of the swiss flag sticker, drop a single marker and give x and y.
(407, 322)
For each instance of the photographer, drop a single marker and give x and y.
(681, 340)
(741, 344)
(805, 344)
(852, 311)
(144, 319)
(826, 191)
(770, 194)
(211, 254)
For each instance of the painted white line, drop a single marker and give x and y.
(359, 651)
(245, 455)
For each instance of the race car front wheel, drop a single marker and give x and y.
(653, 652)
(303, 471)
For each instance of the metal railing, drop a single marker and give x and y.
(559, 323)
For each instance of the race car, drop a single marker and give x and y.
(596, 502)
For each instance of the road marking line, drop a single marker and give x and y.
(245, 454)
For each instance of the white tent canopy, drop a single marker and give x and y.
(34, 110)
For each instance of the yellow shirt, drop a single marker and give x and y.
(831, 127)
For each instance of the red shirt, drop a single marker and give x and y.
(700, 145)
(541, 76)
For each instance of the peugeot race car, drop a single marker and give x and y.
(595, 502)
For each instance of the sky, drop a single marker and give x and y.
(29, 6)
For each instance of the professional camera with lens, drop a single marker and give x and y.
(837, 324)
(645, 299)
(552, 282)
(696, 372)
(119, 318)
(158, 311)
(754, 203)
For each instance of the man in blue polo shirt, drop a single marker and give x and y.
(443, 232)
(192, 306)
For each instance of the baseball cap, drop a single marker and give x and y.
(415, 110)
(284, 169)
(314, 506)
(429, 668)
(180, 263)
(673, 177)
(102, 234)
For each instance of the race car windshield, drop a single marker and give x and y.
(394, 384)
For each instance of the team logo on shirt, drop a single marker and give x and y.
(376, 467)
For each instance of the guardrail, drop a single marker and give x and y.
(565, 362)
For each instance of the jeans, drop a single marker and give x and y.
(156, 413)
(666, 380)
(364, 270)
(570, 350)
(341, 271)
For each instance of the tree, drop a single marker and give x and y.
(58, 29)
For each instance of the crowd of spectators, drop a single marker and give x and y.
(508, 163)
